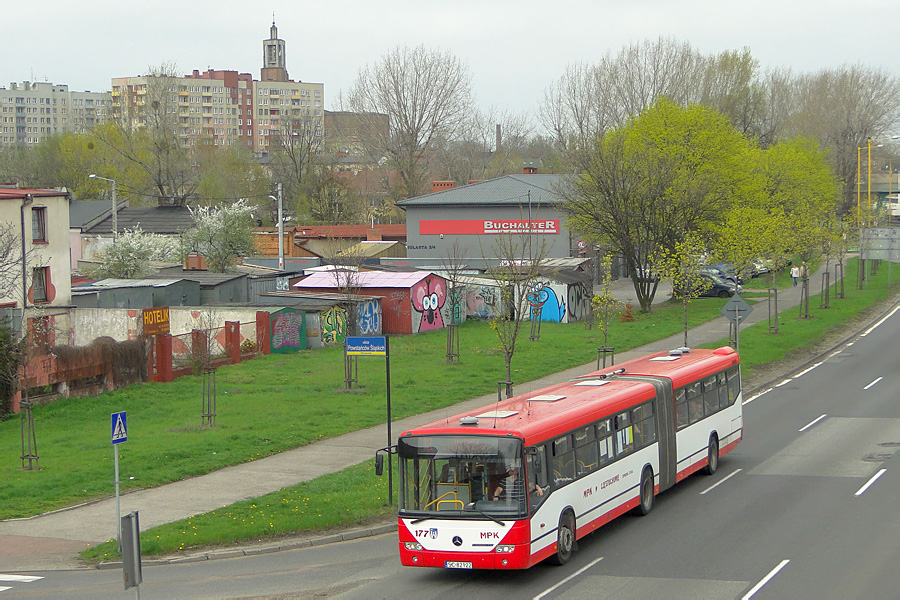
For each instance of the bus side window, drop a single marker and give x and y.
(563, 461)
(710, 395)
(585, 451)
(681, 409)
(604, 446)
(734, 384)
(644, 425)
(723, 390)
(695, 402)
(624, 435)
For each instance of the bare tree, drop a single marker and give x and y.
(842, 108)
(520, 264)
(426, 95)
(454, 266)
(147, 137)
(296, 146)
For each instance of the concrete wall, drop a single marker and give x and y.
(126, 324)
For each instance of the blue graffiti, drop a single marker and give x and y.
(368, 317)
(542, 298)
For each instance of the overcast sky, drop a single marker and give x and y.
(515, 49)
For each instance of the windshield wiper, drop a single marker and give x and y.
(491, 517)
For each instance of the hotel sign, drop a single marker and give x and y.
(156, 321)
(490, 226)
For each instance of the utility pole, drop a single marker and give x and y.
(280, 231)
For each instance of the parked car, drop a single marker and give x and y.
(731, 271)
(727, 276)
(715, 287)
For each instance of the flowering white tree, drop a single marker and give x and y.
(221, 234)
(129, 255)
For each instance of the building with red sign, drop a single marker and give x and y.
(473, 215)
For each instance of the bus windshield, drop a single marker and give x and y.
(461, 476)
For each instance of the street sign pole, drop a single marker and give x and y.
(119, 435)
(118, 508)
(736, 310)
(387, 373)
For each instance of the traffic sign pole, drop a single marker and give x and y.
(119, 435)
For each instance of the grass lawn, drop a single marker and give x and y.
(279, 402)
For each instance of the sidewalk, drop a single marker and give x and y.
(51, 541)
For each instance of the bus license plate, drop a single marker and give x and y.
(456, 564)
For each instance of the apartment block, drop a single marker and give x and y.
(33, 111)
(227, 108)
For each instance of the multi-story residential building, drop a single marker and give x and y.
(227, 108)
(31, 112)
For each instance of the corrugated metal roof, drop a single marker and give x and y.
(127, 283)
(365, 279)
(154, 219)
(509, 189)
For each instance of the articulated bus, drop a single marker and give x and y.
(592, 449)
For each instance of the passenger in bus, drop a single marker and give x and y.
(513, 487)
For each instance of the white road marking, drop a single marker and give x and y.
(873, 383)
(752, 398)
(802, 373)
(886, 317)
(569, 578)
(812, 423)
(875, 477)
(765, 580)
(19, 578)
(785, 382)
(717, 484)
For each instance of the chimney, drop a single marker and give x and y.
(438, 186)
(195, 262)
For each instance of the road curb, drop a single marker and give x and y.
(286, 544)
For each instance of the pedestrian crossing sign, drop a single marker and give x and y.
(119, 428)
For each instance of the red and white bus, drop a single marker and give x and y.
(593, 448)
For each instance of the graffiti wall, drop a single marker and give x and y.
(483, 301)
(288, 331)
(559, 302)
(548, 300)
(428, 297)
(368, 319)
(333, 324)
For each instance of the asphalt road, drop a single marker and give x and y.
(805, 507)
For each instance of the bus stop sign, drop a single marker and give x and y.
(736, 309)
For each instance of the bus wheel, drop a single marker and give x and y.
(565, 539)
(712, 462)
(646, 493)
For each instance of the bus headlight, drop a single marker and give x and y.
(416, 546)
(504, 549)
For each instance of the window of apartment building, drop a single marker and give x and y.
(39, 224)
(40, 279)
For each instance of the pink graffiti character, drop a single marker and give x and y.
(429, 302)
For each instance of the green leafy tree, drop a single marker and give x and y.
(681, 265)
(668, 171)
(222, 234)
(604, 305)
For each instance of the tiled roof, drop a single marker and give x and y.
(509, 189)
(365, 279)
(166, 220)
(349, 231)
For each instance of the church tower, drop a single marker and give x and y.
(273, 68)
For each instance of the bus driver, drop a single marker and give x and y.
(513, 488)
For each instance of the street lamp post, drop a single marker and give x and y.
(280, 229)
(115, 220)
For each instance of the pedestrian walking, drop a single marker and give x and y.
(804, 271)
(795, 273)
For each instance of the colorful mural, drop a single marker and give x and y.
(543, 297)
(369, 319)
(428, 297)
(334, 325)
(579, 302)
(482, 302)
(288, 331)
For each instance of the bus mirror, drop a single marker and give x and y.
(379, 464)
